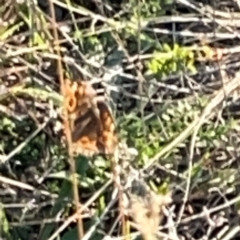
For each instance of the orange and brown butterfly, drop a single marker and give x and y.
(92, 123)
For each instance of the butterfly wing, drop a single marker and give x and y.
(92, 135)
(93, 126)
(108, 136)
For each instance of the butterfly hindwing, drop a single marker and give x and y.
(93, 126)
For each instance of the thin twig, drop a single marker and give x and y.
(23, 144)
(25, 186)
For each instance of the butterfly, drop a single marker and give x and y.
(91, 121)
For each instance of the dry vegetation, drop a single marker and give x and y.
(170, 71)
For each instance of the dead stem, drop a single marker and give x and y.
(68, 130)
(117, 183)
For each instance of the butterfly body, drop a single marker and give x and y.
(92, 124)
